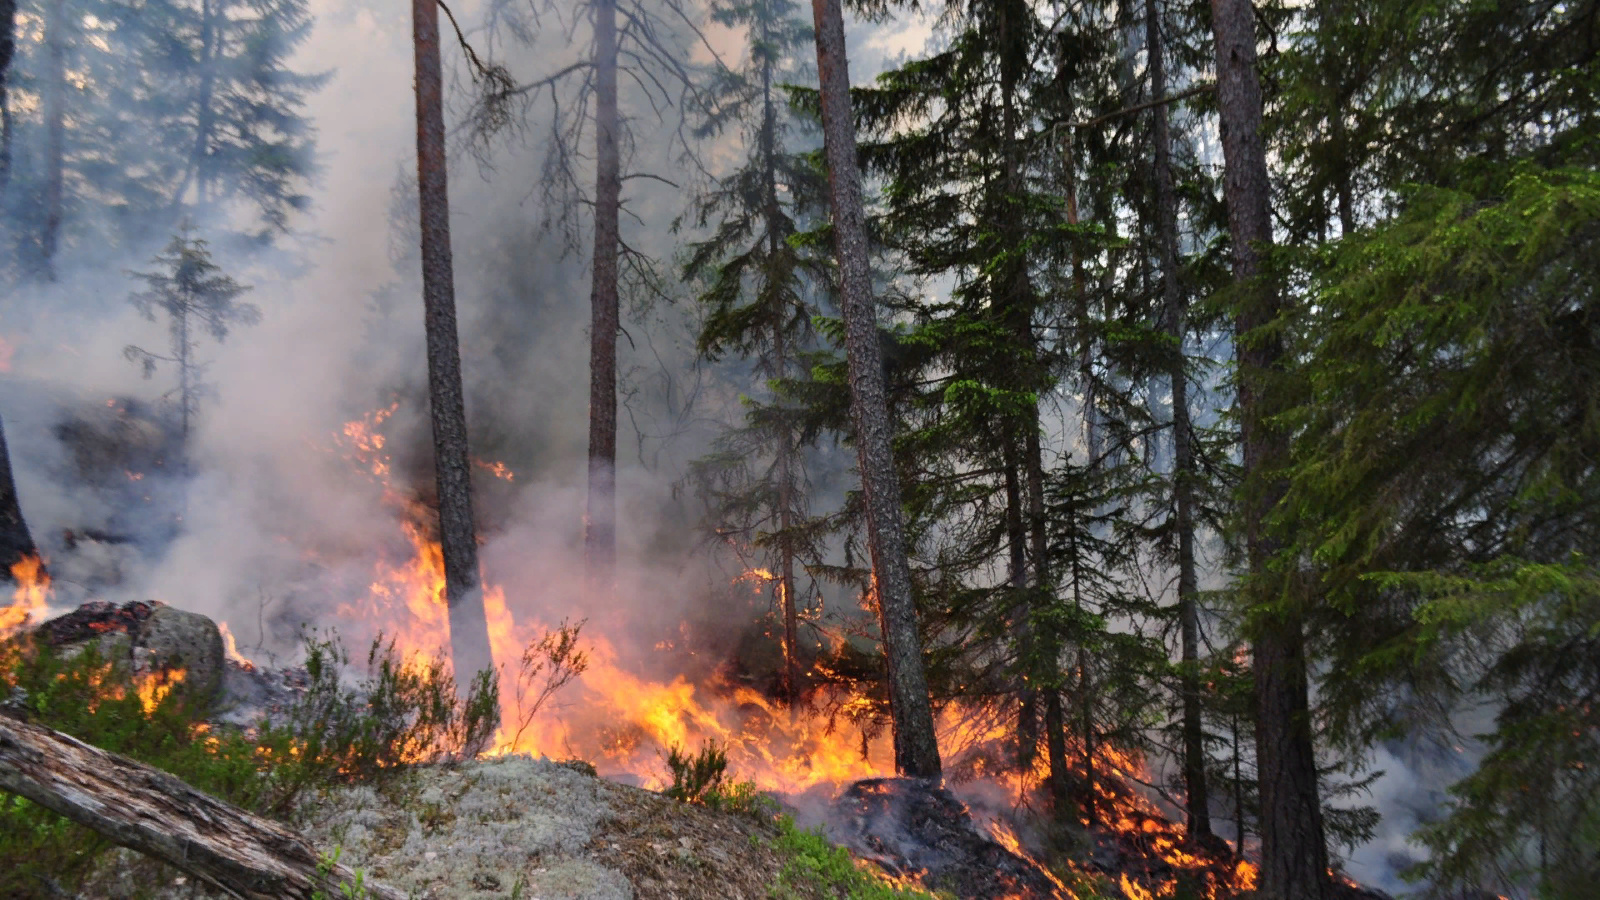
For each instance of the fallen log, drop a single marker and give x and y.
(159, 815)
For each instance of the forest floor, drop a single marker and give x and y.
(518, 828)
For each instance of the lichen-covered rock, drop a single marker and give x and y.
(176, 639)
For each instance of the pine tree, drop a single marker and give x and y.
(229, 112)
(458, 538)
(196, 297)
(1294, 855)
(757, 303)
(915, 745)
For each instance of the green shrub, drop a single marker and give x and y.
(695, 777)
(815, 867)
(403, 712)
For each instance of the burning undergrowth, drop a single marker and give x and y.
(589, 688)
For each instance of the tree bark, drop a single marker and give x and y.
(55, 89)
(16, 544)
(1294, 856)
(1197, 805)
(600, 531)
(916, 751)
(469, 630)
(8, 48)
(150, 811)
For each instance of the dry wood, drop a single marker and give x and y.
(159, 815)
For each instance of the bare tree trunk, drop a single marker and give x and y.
(55, 100)
(1294, 855)
(1197, 802)
(8, 48)
(469, 630)
(16, 544)
(600, 532)
(150, 811)
(916, 751)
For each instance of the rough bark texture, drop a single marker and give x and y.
(1197, 801)
(469, 630)
(1294, 857)
(916, 752)
(8, 47)
(55, 89)
(15, 541)
(600, 528)
(154, 813)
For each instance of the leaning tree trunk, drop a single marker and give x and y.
(600, 531)
(8, 48)
(55, 90)
(469, 630)
(916, 751)
(1294, 856)
(16, 544)
(1197, 801)
(150, 811)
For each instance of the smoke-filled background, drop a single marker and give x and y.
(285, 513)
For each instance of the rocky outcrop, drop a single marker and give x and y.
(148, 637)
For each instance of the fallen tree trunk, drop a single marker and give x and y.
(159, 815)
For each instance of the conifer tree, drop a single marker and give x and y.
(196, 298)
(916, 749)
(458, 537)
(757, 301)
(1294, 854)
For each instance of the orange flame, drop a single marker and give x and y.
(624, 722)
(154, 687)
(28, 600)
(230, 648)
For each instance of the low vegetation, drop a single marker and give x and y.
(404, 711)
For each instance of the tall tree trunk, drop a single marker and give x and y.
(916, 751)
(55, 101)
(469, 630)
(16, 544)
(1197, 805)
(1015, 302)
(1294, 855)
(8, 48)
(780, 363)
(600, 530)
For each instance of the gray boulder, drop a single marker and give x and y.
(176, 639)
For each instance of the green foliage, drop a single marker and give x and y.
(696, 777)
(401, 713)
(172, 108)
(815, 867)
(356, 890)
(195, 296)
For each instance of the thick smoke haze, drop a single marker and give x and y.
(280, 526)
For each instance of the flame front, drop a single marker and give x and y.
(624, 722)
